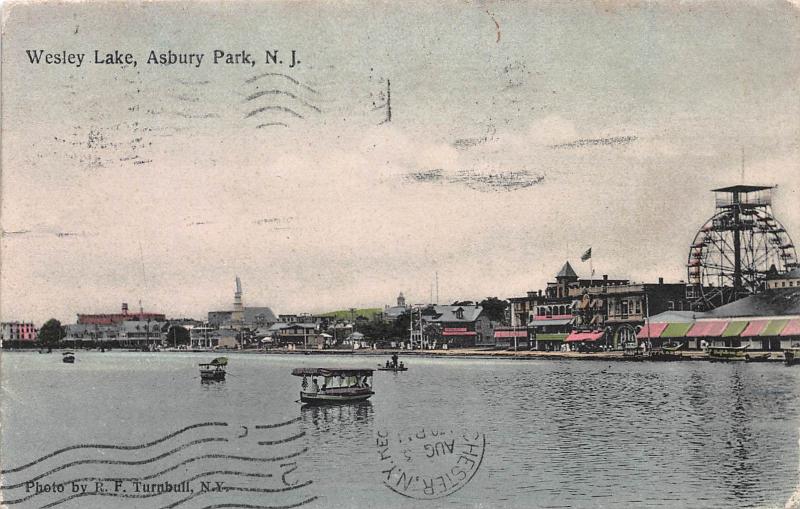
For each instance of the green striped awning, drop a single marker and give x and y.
(552, 336)
(774, 327)
(676, 330)
(734, 329)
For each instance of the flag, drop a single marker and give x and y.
(585, 256)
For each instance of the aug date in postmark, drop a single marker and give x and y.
(428, 464)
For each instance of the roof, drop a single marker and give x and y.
(792, 274)
(778, 302)
(566, 271)
(741, 188)
(675, 317)
(265, 313)
(394, 311)
(331, 371)
(448, 313)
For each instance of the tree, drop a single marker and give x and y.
(51, 332)
(494, 308)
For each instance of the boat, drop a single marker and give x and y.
(339, 385)
(399, 367)
(726, 353)
(68, 357)
(393, 365)
(757, 357)
(791, 356)
(667, 353)
(214, 371)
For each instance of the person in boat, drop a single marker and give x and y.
(314, 385)
(394, 360)
(401, 364)
(387, 362)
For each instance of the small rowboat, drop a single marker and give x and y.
(340, 385)
(214, 371)
(68, 357)
(392, 368)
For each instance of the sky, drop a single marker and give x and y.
(520, 135)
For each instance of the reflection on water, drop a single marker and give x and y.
(558, 433)
(325, 418)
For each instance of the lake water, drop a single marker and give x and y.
(557, 434)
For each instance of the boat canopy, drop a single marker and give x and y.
(219, 361)
(331, 372)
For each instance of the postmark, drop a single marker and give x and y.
(202, 463)
(429, 463)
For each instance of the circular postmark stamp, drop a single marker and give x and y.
(429, 463)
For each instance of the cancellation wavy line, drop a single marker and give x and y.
(138, 446)
(253, 506)
(263, 109)
(178, 502)
(116, 447)
(194, 495)
(262, 93)
(283, 440)
(175, 467)
(114, 462)
(293, 80)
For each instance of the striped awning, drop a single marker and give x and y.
(677, 330)
(792, 328)
(652, 330)
(710, 329)
(775, 327)
(755, 328)
(734, 329)
(584, 336)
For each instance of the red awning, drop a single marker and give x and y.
(510, 334)
(457, 331)
(652, 330)
(754, 328)
(792, 328)
(707, 329)
(584, 336)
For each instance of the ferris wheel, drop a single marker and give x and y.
(737, 248)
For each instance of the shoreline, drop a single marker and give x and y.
(464, 353)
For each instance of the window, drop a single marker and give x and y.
(671, 305)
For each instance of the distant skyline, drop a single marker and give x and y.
(520, 135)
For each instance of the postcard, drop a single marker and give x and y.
(280, 254)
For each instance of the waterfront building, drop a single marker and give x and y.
(137, 333)
(18, 331)
(116, 318)
(601, 311)
(297, 334)
(764, 321)
(457, 325)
